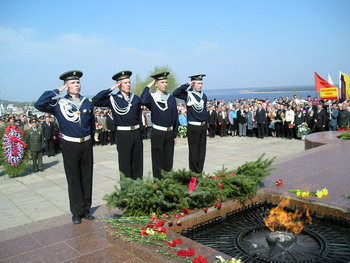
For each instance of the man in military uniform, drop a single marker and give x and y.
(126, 112)
(35, 139)
(77, 124)
(165, 122)
(197, 116)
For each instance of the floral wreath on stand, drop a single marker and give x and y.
(14, 156)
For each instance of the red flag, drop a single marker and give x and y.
(320, 83)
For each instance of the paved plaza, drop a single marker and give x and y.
(37, 196)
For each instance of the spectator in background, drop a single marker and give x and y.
(56, 132)
(320, 119)
(261, 120)
(35, 141)
(344, 115)
(147, 122)
(48, 133)
(111, 128)
(212, 121)
(222, 121)
(333, 117)
(242, 121)
(289, 122)
(101, 119)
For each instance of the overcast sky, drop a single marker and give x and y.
(238, 44)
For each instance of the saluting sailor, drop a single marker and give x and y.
(75, 116)
(196, 102)
(126, 111)
(164, 119)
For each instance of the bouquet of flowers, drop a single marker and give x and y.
(99, 127)
(182, 131)
(303, 130)
(305, 193)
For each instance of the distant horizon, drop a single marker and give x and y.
(266, 89)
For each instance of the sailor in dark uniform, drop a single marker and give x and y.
(165, 122)
(126, 112)
(196, 102)
(76, 120)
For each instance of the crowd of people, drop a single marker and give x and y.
(281, 117)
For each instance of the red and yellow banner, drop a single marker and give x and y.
(329, 93)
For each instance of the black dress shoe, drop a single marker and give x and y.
(76, 220)
(89, 216)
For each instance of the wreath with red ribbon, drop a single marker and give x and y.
(13, 153)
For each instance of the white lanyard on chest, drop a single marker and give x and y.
(120, 110)
(157, 99)
(197, 106)
(70, 111)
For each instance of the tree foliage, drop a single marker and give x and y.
(139, 84)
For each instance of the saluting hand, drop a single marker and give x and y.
(64, 87)
(151, 83)
(115, 86)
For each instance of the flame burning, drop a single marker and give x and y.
(290, 221)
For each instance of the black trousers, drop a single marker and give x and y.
(197, 144)
(78, 165)
(261, 130)
(289, 130)
(112, 137)
(103, 137)
(49, 147)
(279, 129)
(162, 149)
(130, 153)
(212, 130)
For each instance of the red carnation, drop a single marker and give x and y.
(218, 206)
(143, 232)
(170, 223)
(279, 182)
(205, 209)
(222, 175)
(184, 210)
(160, 230)
(177, 216)
(178, 223)
(199, 259)
(233, 174)
(186, 253)
(160, 223)
(171, 244)
(178, 240)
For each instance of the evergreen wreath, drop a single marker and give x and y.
(171, 194)
(14, 156)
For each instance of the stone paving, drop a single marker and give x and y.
(38, 196)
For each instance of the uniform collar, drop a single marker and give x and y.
(120, 95)
(70, 97)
